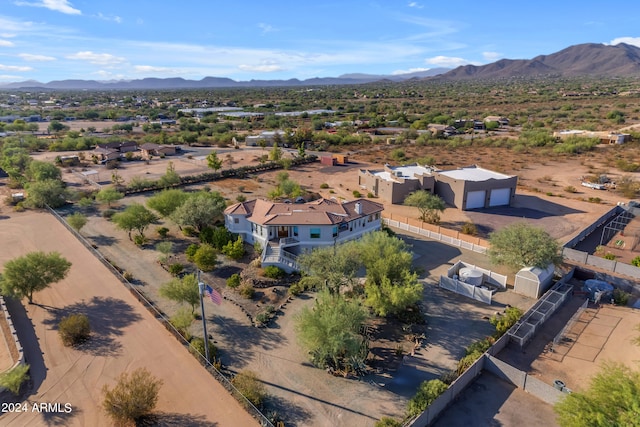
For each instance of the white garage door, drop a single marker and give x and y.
(500, 197)
(475, 199)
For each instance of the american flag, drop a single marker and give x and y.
(213, 295)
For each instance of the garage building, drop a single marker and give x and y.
(474, 187)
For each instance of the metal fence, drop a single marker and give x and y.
(160, 316)
(563, 333)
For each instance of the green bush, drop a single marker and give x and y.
(263, 317)
(427, 393)
(250, 386)
(108, 213)
(191, 251)
(13, 379)
(139, 240)
(357, 194)
(503, 322)
(132, 398)
(609, 256)
(188, 231)
(636, 261)
(233, 281)
(296, 289)
(620, 297)
(74, 329)
(246, 290)
(197, 346)
(469, 228)
(162, 231)
(324, 185)
(388, 422)
(234, 250)
(273, 272)
(182, 320)
(176, 269)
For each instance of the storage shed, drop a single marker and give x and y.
(534, 281)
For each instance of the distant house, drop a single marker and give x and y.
(502, 121)
(120, 147)
(266, 137)
(285, 230)
(603, 136)
(150, 149)
(106, 154)
(441, 130)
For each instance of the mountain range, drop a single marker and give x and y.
(588, 59)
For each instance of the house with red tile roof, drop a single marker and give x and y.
(285, 230)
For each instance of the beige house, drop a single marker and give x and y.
(466, 188)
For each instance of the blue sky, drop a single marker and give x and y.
(48, 40)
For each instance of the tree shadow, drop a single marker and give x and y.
(107, 317)
(102, 240)
(59, 418)
(243, 342)
(294, 414)
(167, 419)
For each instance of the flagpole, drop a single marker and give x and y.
(204, 320)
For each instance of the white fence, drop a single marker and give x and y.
(435, 236)
(475, 292)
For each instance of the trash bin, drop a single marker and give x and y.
(559, 385)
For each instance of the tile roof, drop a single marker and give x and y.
(318, 212)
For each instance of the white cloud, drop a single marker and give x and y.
(415, 4)
(10, 78)
(447, 61)
(97, 58)
(261, 68)
(108, 75)
(6, 43)
(114, 18)
(635, 41)
(410, 70)
(152, 69)
(62, 6)
(15, 68)
(36, 58)
(266, 28)
(491, 56)
(7, 35)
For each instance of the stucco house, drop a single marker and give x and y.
(285, 230)
(466, 188)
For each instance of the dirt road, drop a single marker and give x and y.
(125, 337)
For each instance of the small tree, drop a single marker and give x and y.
(134, 217)
(181, 320)
(251, 387)
(427, 393)
(77, 220)
(503, 322)
(234, 250)
(74, 329)
(50, 192)
(612, 399)
(183, 290)
(167, 201)
(32, 272)
(133, 397)
(205, 257)
(170, 177)
(522, 245)
(429, 205)
(213, 161)
(109, 195)
(13, 379)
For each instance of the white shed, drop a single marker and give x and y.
(534, 281)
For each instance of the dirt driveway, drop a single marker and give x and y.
(125, 337)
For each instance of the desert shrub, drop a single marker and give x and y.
(246, 290)
(13, 379)
(263, 317)
(479, 346)
(132, 398)
(449, 377)
(273, 272)
(570, 189)
(636, 261)
(503, 322)
(176, 269)
(108, 213)
(205, 257)
(469, 228)
(609, 256)
(250, 386)
(427, 393)
(197, 346)
(128, 276)
(388, 422)
(139, 240)
(233, 281)
(162, 231)
(188, 231)
(241, 198)
(467, 361)
(74, 329)
(596, 200)
(324, 185)
(620, 297)
(357, 194)
(191, 251)
(182, 320)
(296, 289)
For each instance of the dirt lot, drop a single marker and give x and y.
(125, 336)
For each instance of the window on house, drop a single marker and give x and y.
(378, 216)
(236, 220)
(370, 218)
(314, 233)
(295, 230)
(335, 231)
